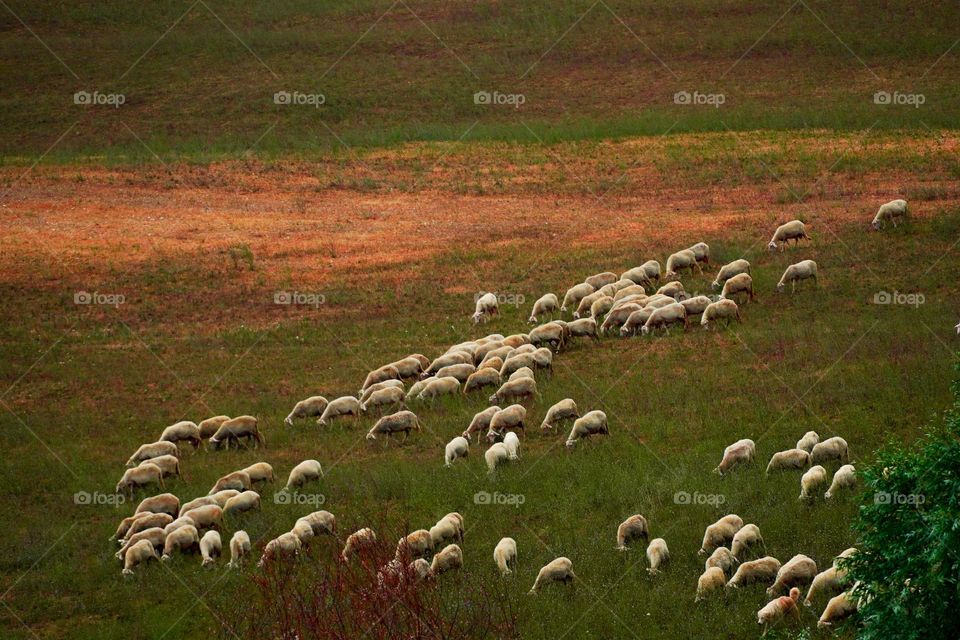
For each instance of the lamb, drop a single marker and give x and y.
(286, 544)
(657, 555)
(711, 580)
(740, 452)
(306, 471)
(591, 423)
(746, 539)
(793, 230)
(522, 389)
(585, 327)
(147, 521)
(834, 448)
(439, 387)
(448, 559)
(162, 503)
(209, 426)
(182, 431)
(309, 408)
(343, 406)
(738, 284)
(386, 397)
(152, 450)
(696, 305)
(210, 547)
(679, 261)
(238, 480)
(889, 212)
(512, 443)
(777, 609)
(138, 554)
(155, 535)
(239, 549)
(812, 482)
(558, 570)
(169, 465)
(618, 316)
(552, 333)
(844, 478)
(720, 533)
(246, 501)
(449, 527)
(180, 540)
(259, 472)
(633, 528)
(481, 421)
(729, 270)
(140, 476)
(673, 290)
(635, 321)
(207, 516)
(566, 409)
(546, 304)
(763, 570)
(405, 421)
(459, 447)
(414, 545)
(486, 376)
(505, 556)
(808, 441)
(485, 308)
(235, 429)
(664, 317)
(357, 542)
(839, 607)
(575, 294)
(722, 558)
(646, 273)
(803, 270)
(386, 372)
(496, 455)
(798, 571)
(789, 459)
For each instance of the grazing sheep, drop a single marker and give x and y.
(485, 377)
(664, 317)
(210, 547)
(152, 450)
(584, 327)
(140, 476)
(648, 272)
(551, 333)
(711, 580)
(680, 261)
(808, 441)
(180, 540)
(259, 472)
(357, 542)
(746, 539)
(738, 284)
(496, 455)
(156, 536)
(239, 548)
(137, 554)
(834, 448)
(729, 270)
(448, 559)
(839, 607)
(246, 501)
(309, 408)
(575, 294)
(722, 558)
(459, 371)
(182, 521)
(696, 305)
(207, 516)
(633, 528)
(583, 308)
(439, 387)
(627, 292)
(521, 389)
(449, 527)
(505, 556)
(720, 533)
(798, 571)
(890, 211)
(169, 465)
(405, 421)
(414, 545)
(418, 386)
(826, 583)
(659, 300)
(306, 471)
(511, 417)
(481, 421)
(481, 353)
(591, 423)
(657, 555)
(486, 307)
(284, 545)
(386, 372)
(618, 316)
(343, 406)
(566, 409)
(844, 478)
(812, 482)
(162, 503)
(303, 531)
(793, 230)
(410, 367)
(182, 431)
(238, 480)
(321, 522)
(803, 270)
(763, 570)
(386, 398)
(209, 426)
(702, 251)
(543, 359)
(777, 609)
(235, 429)
(740, 452)
(522, 372)
(516, 340)
(459, 447)
(558, 570)
(601, 279)
(546, 304)
(516, 362)
(789, 459)
(726, 310)
(219, 498)
(635, 321)
(143, 522)
(455, 357)
(512, 443)
(491, 363)
(673, 290)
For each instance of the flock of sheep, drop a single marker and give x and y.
(161, 527)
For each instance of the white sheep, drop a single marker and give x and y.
(797, 572)
(696, 305)
(628, 291)
(546, 304)
(239, 548)
(677, 262)
(285, 545)
(789, 459)
(246, 501)
(740, 452)
(207, 516)
(161, 503)
(411, 366)
(505, 556)
(238, 480)
(746, 538)
(357, 542)
(512, 443)
(481, 421)
(585, 327)
(702, 251)
(720, 533)
(459, 447)
(152, 450)
(454, 357)
(552, 333)
(343, 406)
(635, 321)
(137, 554)
(380, 386)
(673, 290)
(729, 270)
(664, 317)
(308, 408)
(388, 397)
(210, 547)
(794, 230)
(386, 372)
(182, 431)
(889, 212)
(169, 465)
(439, 387)
(401, 421)
(726, 310)
(738, 284)
(834, 448)
(844, 478)
(304, 472)
(496, 455)
(657, 555)
(566, 409)
(558, 570)
(182, 521)
(416, 544)
(633, 528)
(575, 294)
(646, 273)
(722, 558)
(521, 389)
(516, 340)
(486, 307)
(140, 476)
(199, 502)
(812, 482)
(586, 302)
(826, 583)
(762, 570)
(320, 522)
(803, 270)
(591, 423)
(259, 472)
(777, 609)
(601, 279)
(839, 607)
(235, 430)
(449, 527)
(209, 426)
(448, 559)
(712, 579)
(522, 372)
(179, 540)
(156, 536)
(808, 441)
(146, 521)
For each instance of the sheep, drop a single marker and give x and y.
(803, 270)
(455, 357)
(658, 300)
(632, 290)
(182, 431)
(633, 528)
(844, 478)
(566, 409)
(558, 570)
(575, 294)
(601, 279)
(385, 398)
(320, 522)
(745, 539)
(484, 377)
(664, 317)
(763, 570)
(543, 359)
(239, 549)
(729, 270)
(722, 558)
(386, 372)
(834, 448)
(798, 571)
(405, 421)
(238, 480)
(496, 455)
(825, 583)
(481, 421)
(235, 429)
(522, 389)
(219, 498)
(304, 472)
(522, 372)
(702, 251)
(789, 459)
(720, 533)
(182, 521)
(775, 610)
(439, 387)
(738, 284)
(808, 441)
(516, 340)
(156, 536)
(209, 426)
(512, 443)
(490, 363)
(500, 353)
(712, 579)
(246, 501)
(459, 447)
(161, 503)
(740, 452)
(309, 408)
(417, 387)
(793, 230)
(414, 545)
(583, 308)
(448, 559)
(600, 307)
(889, 212)
(591, 423)
(812, 482)
(547, 304)
(635, 322)
(410, 367)
(584, 328)
(505, 556)
(137, 554)
(459, 371)
(180, 540)
(677, 262)
(210, 547)
(449, 527)
(696, 305)
(140, 476)
(657, 555)
(147, 521)
(481, 353)
(673, 290)
(357, 542)
(722, 309)
(618, 316)
(552, 333)
(286, 544)
(515, 362)
(207, 516)
(511, 417)
(152, 450)
(169, 465)
(486, 306)
(343, 406)
(259, 472)
(839, 607)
